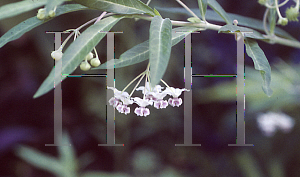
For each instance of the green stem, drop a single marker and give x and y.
(265, 21)
(132, 81)
(277, 9)
(279, 5)
(210, 26)
(188, 9)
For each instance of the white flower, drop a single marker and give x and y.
(175, 92)
(141, 111)
(268, 123)
(118, 94)
(156, 89)
(142, 102)
(175, 101)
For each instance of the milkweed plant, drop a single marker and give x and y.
(82, 51)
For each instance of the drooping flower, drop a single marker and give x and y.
(175, 101)
(160, 104)
(123, 109)
(141, 111)
(120, 98)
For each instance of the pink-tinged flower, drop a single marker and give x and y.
(142, 111)
(123, 109)
(114, 102)
(175, 101)
(160, 104)
(175, 92)
(269, 122)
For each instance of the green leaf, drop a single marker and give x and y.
(13, 9)
(68, 156)
(76, 52)
(194, 20)
(118, 6)
(40, 160)
(52, 3)
(156, 12)
(140, 52)
(260, 63)
(160, 44)
(218, 8)
(202, 7)
(233, 28)
(27, 25)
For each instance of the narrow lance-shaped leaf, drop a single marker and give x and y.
(260, 63)
(118, 6)
(27, 25)
(40, 160)
(202, 7)
(78, 50)
(140, 52)
(13, 9)
(160, 43)
(218, 8)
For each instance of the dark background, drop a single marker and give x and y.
(26, 62)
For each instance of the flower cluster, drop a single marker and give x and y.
(89, 60)
(152, 96)
(269, 123)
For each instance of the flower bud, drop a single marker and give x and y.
(292, 13)
(41, 15)
(283, 21)
(95, 62)
(89, 56)
(51, 13)
(85, 66)
(56, 55)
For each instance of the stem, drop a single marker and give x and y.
(277, 9)
(188, 9)
(100, 17)
(297, 4)
(148, 2)
(210, 26)
(136, 85)
(132, 81)
(272, 7)
(265, 21)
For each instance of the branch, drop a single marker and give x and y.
(272, 39)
